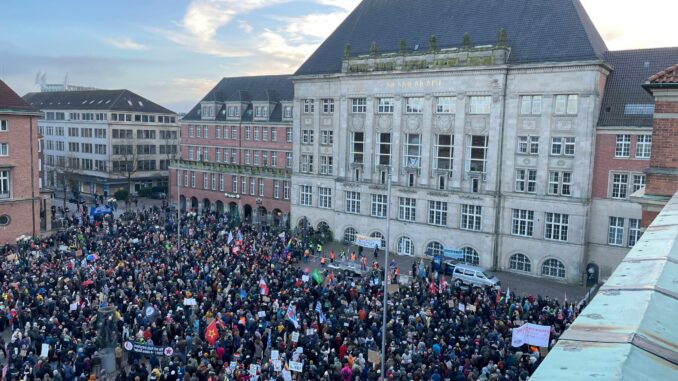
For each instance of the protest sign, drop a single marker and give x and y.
(148, 349)
(44, 350)
(295, 337)
(373, 356)
(190, 302)
(532, 334)
(296, 366)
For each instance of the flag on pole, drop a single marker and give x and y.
(498, 299)
(291, 315)
(321, 315)
(282, 236)
(239, 236)
(316, 276)
(508, 294)
(263, 287)
(565, 296)
(212, 333)
(230, 238)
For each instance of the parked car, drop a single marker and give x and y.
(471, 275)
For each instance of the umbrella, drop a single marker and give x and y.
(87, 283)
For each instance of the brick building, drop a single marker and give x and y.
(236, 151)
(662, 173)
(19, 187)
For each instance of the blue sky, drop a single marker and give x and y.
(174, 51)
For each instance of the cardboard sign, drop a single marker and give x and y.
(254, 368)
(305, 278)
(44, 350)
(275, 354)
(190, 302)
(471, 307)
(277, 365)
(461, 307)
(287, 376)
(295, 337)
(73, 306)
(374, 357)
(261, 314)
(393, 288)
(296, 366)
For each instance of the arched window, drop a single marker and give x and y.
(471, 255)
(434, 248)
(405, 246)
(380, 236)
(553, 268)
(520, 262)
(349, 235)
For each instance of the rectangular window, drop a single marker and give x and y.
(256, 134)
(528, 145)
(326, 165)
(243, 185)
(530, 105)
(623, 146)
(205, 181)
(286, 190)
(357, 147)
(480, 105)
(379, 205)
(556, 226)
(471, 217)
(262, 187)
(353, 202)
(407, 208)
(217, 155)
(562, 146)
(306, 164)
(4, 149)
(252, 185)
(99, 133)
(287, 112)
(289, 133)
(615, 233)
(358, 105)
(264, 134)
(560, 183)
(5, 184)
(526, 180)
(217, 132)
(264, 158)
(437, 213)
(234, 184)
(288, 159)
(274, 134)
(3, 125)
(324, 198)
(444, 151)
(86, 132)
(620, 183)
(256, 157)
(412, 151)
(385, 106)
(523, 222)
(276, 189)
(306, 136)
(309, 106)
(328, 106)
(634, 231)
(414, 105)
(247, 133)
(566, 104)
(234, 156)
(383, 148)
(476, 153)
(446, 105)
(214, 181)
(326, 137)
(87, 147)
(234, 133)
(638, 182)
(192, 179)
(274, 159)
(643, 146)
(73, 131)
(247, 157)
(198, 132)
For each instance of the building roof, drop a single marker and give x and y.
(537, 30)
(625, 102)
(109, 100)
(11, 101)
(668, 75)
(265, 88)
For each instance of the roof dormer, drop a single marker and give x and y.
(209, 110)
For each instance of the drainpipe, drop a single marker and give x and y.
(499, 198)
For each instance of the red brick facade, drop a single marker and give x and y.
(606, 163)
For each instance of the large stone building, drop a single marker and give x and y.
(20, 204)
(99, 141)
(236, 151)
(485, 123)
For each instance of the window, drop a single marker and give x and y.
(560, 183)
(437, 213)
(289, 133)
(476, 153)
(349, 235)
(99, 133)
(86, 132)
(615, 233)
(414, 105)
(247, 133)
(255, 157)
(379, 205)
(274, 159)
(217, 132)
(234, 133)
(471, 255)
(407, 208)
(243, 185)
(643, 146)
(634, 231)
(252, 185)
(326, 137)
(328, 106)
(309, 107)
(383, 148)
(205, 180)
(530, 105)
(553, 268)
(385, 106)
(307, 137)
(326, 165)
(412, 151)
(256, 134)
(217, 154)
(619, 185)
(75, 147)
(87, 147)
(434, 249)
(324, 198)
(357, 147)
(221, 182)
(262, 187)
(638, 182)
(556, 226)
(234, 156)
(520, 262)
(4, 149)
(380, 237)
(214, 181)
(405, 246)
(234, 184)
(480, 105)
(198, 132)
(73, 131)
(276, 189)
(192, 179)
(444, 151)
(4, 184)
(274, 134)
(287, 112)
(523, 222)
(526, 180)
(358, 105)
(446, 105)
(353, 202)
(528, 145)
(306, 163)
(623, 146)
(288, 159)
(562, 146)
(286, 190)
(566, 104)
(3, 125)
(471, 217)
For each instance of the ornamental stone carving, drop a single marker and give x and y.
(413, 123)
(384, 122)
(443, 123)
(357, 123)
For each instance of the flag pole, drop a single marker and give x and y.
(385, 282)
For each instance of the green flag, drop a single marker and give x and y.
(316, 276)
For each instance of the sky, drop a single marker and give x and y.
(174, 51)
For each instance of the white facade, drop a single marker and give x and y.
(470, 107)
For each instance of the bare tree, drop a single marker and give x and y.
(68, 172)
(125, 161)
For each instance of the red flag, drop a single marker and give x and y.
(498, 295)
(212, 333)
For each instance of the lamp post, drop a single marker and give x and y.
(258, 201)
(385, 282)
(235, 196)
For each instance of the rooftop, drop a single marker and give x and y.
(11, 101)
(95, 100)
(668, 75)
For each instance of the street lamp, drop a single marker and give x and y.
(385, 282)
(258, 201)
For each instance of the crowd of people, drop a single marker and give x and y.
(234, 303)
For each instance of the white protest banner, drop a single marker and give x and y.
(368, 242)
(518, 336)
(296, 366)
(277, 365)
(44, 350)
(275, 354)
(305, 278)
(253, 369)
(310, 332)
(287, 376)
(190, 302)
(462, 307)
(261, 314)
(295, 337)
(232, 365)
(532, 334)
(74, 306)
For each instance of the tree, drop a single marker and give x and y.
(126, 161)
(68, 172)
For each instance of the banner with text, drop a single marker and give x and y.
(368, 242)
(532, 334)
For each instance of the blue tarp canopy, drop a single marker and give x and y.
(100, 211)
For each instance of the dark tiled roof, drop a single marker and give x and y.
(113, 100)
(630, 70)
(537, 30)
(9, 100)
(264, 88)
(668, 75)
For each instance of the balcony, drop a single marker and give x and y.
(282, 173)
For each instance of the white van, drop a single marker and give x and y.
(473, 275)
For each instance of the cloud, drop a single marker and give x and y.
(347, 5)
(277, 46)
(210, 47)
(245, 26)
(316, 25)
(126, 43)
(204, 17)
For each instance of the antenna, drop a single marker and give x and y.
(37, 78)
